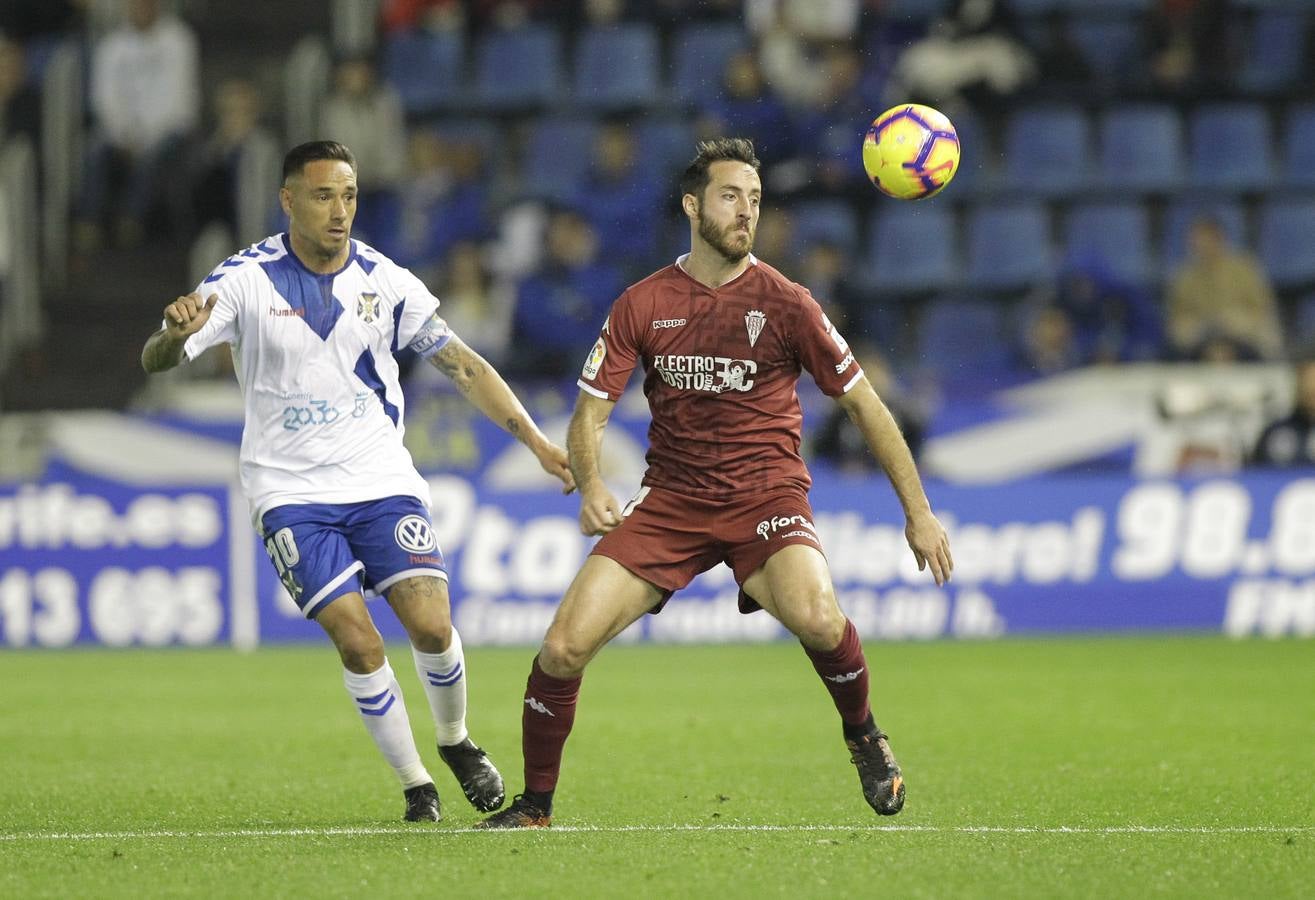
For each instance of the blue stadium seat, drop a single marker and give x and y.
(1276, 51)
(1180, 215)
(519, 68)
(699, 54)
(558, 155)
(1285, 245)
(913, 9)
(1047, 151)
(616, 67)
(1298, 155)
(824, 221)
(1009, 245)
(965, 342)
(1109, 46)
(426, 69)
(913, 247)
(976, 174)
(1231, 147)
(667, 145)
(1119, 233)
(1141, 148)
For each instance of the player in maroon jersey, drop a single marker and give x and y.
(722, 338)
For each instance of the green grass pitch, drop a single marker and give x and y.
(1116, 767)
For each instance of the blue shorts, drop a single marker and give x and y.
(325, 550)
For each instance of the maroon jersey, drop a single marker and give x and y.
(720, 367)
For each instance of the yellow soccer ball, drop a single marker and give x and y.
(911, 152)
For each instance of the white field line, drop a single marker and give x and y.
(417, 831)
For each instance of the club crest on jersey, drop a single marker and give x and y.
(367, 307)
(754, 320)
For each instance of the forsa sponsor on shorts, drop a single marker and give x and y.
(769, 527)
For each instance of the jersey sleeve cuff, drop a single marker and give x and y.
(593, 391)
(853, 381)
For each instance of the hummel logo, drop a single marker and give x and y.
(540, 708)
(838, 679)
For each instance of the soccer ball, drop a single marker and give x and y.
(911, 152)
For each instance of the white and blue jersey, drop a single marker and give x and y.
(314, 356)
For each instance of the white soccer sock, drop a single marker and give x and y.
(378, 699)
(444, 678)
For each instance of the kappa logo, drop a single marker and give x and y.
(414, 535)
(767, 527)
(667, 323)
(845, 678)
(539, 707)
(367, 307)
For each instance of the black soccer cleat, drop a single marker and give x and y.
(478, 777)
(422, 804)
(522, 813)
(878, 773)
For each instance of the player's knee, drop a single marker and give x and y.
(562, 656)
(818, 622)
(361, 649)
(433, 637)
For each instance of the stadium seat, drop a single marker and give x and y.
(1180, 215)
(824, 221)
(1231, 147)
(1119, 233)
(1275, 51)
(559, 154)
(1109, 46)
(519, 68)
(699, 56)
(1141, 148)
(616, 67)
(913, 247)
(913, 9)
(1285, 245)
(1047, 151)
(667, 145)
(965, 342)
(426, 69)
(1009, 245)
(1298, 154)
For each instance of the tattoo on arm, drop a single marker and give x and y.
(457, 362)
(514, 427)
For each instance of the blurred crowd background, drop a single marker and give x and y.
(1137, 184)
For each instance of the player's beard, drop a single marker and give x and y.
(727, 241)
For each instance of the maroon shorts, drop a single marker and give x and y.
(667, 538)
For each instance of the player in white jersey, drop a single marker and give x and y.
(313, 319)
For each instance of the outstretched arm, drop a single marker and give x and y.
(484, 388)
(183, 318)
(926, 536)
(599, 512)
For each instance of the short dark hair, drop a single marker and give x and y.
(722, 149)
(312, 151)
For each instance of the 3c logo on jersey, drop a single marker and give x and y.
(414, 535)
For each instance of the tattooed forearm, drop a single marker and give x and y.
(513, 427)
(460, 363)
(161, 352)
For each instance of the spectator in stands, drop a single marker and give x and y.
(442, 202)
(1089, 316)
(366, 114)
(475, 302)
(145, 99)
(621, 191)
(824, 128)
(1189, 46)
(972, 56)
(838, 439)
(1221, 305)
(559, 307)
(747, 106)
(217, 163)
(1290, 441)
(20, 104)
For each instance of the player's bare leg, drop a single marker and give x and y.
(794, 585)
(422, 606)
(601, 602)
(378, 698)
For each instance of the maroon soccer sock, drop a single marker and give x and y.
(546, 721)
(844, 671)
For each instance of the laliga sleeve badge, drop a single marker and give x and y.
(595, 360)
